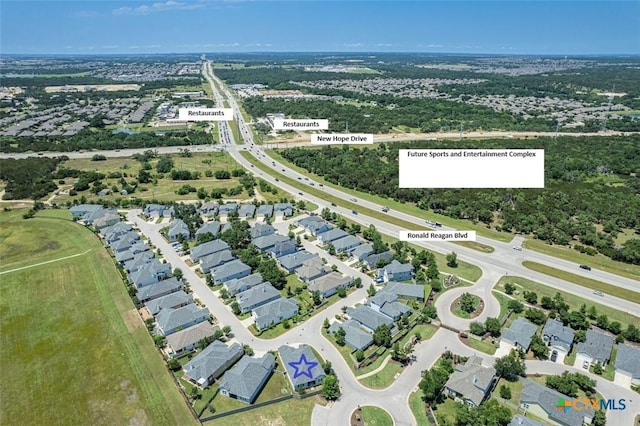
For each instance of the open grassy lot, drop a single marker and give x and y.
(418, 408)
(376, 416)
(74, 350)
(481, 345)
(613, 290)
(383, 378)
(574, 302)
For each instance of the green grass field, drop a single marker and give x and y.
(376, 416)
(482, 345)
(572, 300)
(73, 347)
(584, 281)
(418, 408)
(384, 378)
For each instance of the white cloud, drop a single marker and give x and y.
(384, 44)
(157, 7)
(352, 44)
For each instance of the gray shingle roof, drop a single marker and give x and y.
(396, 267)
(171, 319)
(328, 282)
(230, 270)
(520, 420)
(547, 399)
(471, 380)
(283, 248)
(256, 296)
(178, 227)
(598, 346)
(228, 208)
(275, 311)
(332, 235)
(368, 317)
(520, 332)
(246, 378)
(395, 309)
(240, 284)
(265, 210)
(190, 336)
(383, 297)
(265, 242)
(294, 355)
(211, 227)
(216, 259)
(355, 336)
(312, 268)
(315, 224)
(346, 243)
(556, 334)
(162, 287)
(247, 210)
(169, 301)
(362, 250)
(409, 291)
(373, 259)
(295, 260)
(210, 247)
(212, 362)
(628, 360)
(261, 229)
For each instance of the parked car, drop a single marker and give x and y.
(517, 248)
(585, 267)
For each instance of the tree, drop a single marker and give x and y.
(359, 355)
(194, 393)
(510, 366)
(159, 340)
(580, 336)
(538, 347)
(286, 324)
(177, 272)
(399, 354)
(434, 379)
(224, 293)
(505, 392)
(599, 418)
(235, 308)
(597, 369)
(432, 271)
(429, 312)
(531, 297)
(468, 302)
(509, 288)
(452, 260)
(357, 282)
(330, 388)
(563, 384)
(515, 306)
(489, 413)
(326, 324)
(492, 325)
(174, 365)
(317, 299)
(371, 291)
(547, 302)
(602, 321)
(327, 367)
(248, 350)
(165, 164)
(340, 335)
(342, 292)
(536, 316)
(615, 327)
(382, 336)
(217, 335)
(476, 328)
(226, 330)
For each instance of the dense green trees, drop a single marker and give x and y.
(29, 177)
(510, 366)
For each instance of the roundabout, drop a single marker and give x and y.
(467, 306)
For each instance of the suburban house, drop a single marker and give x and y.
(520, 420)
(396, 271)
(267, 242)
(518, 335)
(154, 210)
(113, 232)
(274, 312)
(369, 318)
(158, 289)
(293, 261)
(81, 210)
(170, 301)
(261, 229)
(362, 251)
(282, 210)
(211, 363)
(542, 402)
(559, 337)
(315, 225)
(238, 285)
(138, 261)
(172, 320)
(247, 210)
(346, 244)
(328, 285)
(130, 236)
(387, 303)
(374, 260)
(628, 365)
(596, 349)
(265, 210)
(108, 219)
(303, 368)
(256, 296)
(229, 271)
(212, 228)
(92, 217)
(355, 336)
(471, 382)
(311, 269)
(211, 261)
(188, 339)
(198, 252)
(150, 273)
(129, 251)
(406, 291)
(331, 235)
(209, 209)
(247, 378)
(283, 248)
(178, 230)
(225, 209)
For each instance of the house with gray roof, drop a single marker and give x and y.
(227, 226)
(209, 209)
(94, 216)
(362, 251)
(81, 210)
(627, 365)
(520, 420)
(116, 231)
(596, 349)
(130, 236)
(304, 370)
(247, 210)
(229, 271)
(108, 219)
(247, 378)
(256, 296)
(471, 383)
(225, 209)
(355, 336)
(170, 301)
(406, 291)
(265, 210)
(138, 261)
(150, 273)
(274, 312)
(559, 338)
(519, 334)
(212, 228)
(131, 251)
(311, 269)
(396, 271)
(186, 340)
(261, 229)
(211, 363)
(369, 318)
(346, 244)
(283, 209)
(158, 289)
(238, 285)
(283, 248)
(542, 401)
(373, 260)
(331, 235)
(172, 320)
(387, 303)
(314, 225)
(178, 229)
(214, 260)
(156, 210)
(121, 245)
(198, 252)
(328, 285)
(293, 261)
(267, 242)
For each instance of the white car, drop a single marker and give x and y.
(517, 248)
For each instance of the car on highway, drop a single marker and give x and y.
(517, 248)
(320, 184)
(334, 205)
(311, 183)
(385, 209)
(283, 170)
(354, 212)
(300, 193)
(598, 293)
(277, 180)
(585, 267)
(354, 200)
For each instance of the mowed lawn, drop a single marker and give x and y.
(73, 349)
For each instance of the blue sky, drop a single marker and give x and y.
(506, 27)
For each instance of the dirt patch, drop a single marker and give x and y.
(356, 418)
(132, 320)
(50, 245)
(139, 418)
(271, 422)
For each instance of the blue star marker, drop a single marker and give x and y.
(303, 367)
